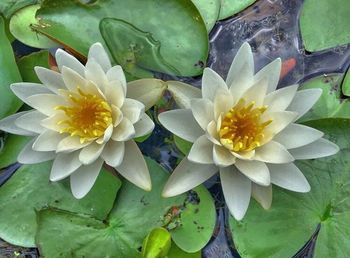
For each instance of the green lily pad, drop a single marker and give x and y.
(9, 7)
(176, 252)
(21, 28)
(346, 84)
(231, 7)
(293, 217)
(137, 51)
(157, 243)
(9, 73)
(183, 145)
(136, 213)
(209, 9)
(27, 63)
(29, 190)
(330, 104)
(325, 24)
(165, 20)
(12, 145)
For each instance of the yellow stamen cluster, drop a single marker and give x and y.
(88, 116)
(241, 127)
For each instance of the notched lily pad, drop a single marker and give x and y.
(29, 190)
(293, 217)
(122, 234)
(325, 24)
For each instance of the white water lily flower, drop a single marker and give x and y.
(82, 118)
(245, 128)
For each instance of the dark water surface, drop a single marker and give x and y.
(271, 27)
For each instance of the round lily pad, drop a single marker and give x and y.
(231, 7)
(283, 229)
(209, 9)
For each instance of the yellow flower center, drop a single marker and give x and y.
(88, 116)
(242, 128)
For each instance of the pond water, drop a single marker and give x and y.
(271, 27)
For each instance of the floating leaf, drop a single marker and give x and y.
(330, 103)
(209, 10)
(176, 24)
(293, 217)
(231, 7)
(156, 244)
(11, 146)
(183, 145)
(346, 84)
(9, 73)
(176, 252)
(29, 190)
(137, 51)
(136, 213)
(27, 63)
(9, 7)
(325, 24)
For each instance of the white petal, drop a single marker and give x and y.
(256, 171)
(106, 135)
(100, 55)
(211, 83)
(186, 176)
(95, 73)
(263, 195)
(222, 156)
(280, 120)
(245, 155)
(64, 165)
(223, 102)
(134, 168)
(23, 90)
(318, 149)
(115, 94)
(90, 153)
(304, 100)
(70, 143)
(29, 156)
(46, 103)
(144, 126)
(31, 121)
(147, 91)
(8, 124)
(182, 123)
(47, 141)
(256, 93)
(201, 151)
(132, 110)
(295, 135)
(273, 152)
(288, 176)
(113, 153)
(65, 59)
(72, 79)
(116, 74)
(203, 111)
(53, 122)
(280, 99)
(271, 73)
(124, 131)
(183, 93)
(240, 75)
(51, 79)
(237, 190)
(83, 179)
(212, 133)
(117, 115)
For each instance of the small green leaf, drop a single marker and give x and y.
(9, 7)
(21, 28)
(11, 146)
(176, 252)
(346, 84)
(156, 244)
(330, 104)
(9, 73)
(209, 9)
(231, 7)
(29, 190)
(183, 145)
(27, 63)
(135, 214)
(325, 24)
(283, 229)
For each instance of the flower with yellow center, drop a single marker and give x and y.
(245, 128)
(84, 116)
